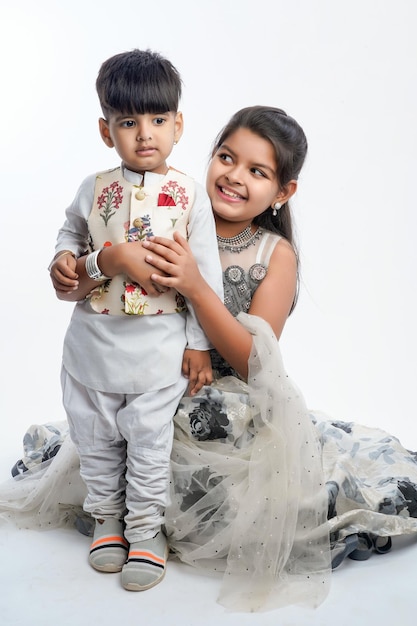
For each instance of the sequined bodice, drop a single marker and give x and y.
(244, 268)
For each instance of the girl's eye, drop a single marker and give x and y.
(158, 121)
(225, 157)
(257, 172)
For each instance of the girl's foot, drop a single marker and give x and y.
(109, 549)
(146, 563)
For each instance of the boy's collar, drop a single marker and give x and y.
(138, 179)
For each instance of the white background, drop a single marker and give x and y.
(345, 70)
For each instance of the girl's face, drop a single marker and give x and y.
(241, 180)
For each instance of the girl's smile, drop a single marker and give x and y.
(229, 193)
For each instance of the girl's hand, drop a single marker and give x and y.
(176, 261)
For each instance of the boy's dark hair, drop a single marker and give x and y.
(138, 82)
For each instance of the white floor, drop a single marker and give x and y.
(45, 580)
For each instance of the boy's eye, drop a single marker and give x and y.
(128, 124)
(158, 121)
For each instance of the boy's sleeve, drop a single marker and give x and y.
(203, 243)
(73, 234)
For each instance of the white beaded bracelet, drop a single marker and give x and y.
(92, 269)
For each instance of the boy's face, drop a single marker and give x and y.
(143, 141)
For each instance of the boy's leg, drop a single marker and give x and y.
(102, 451)
(147, 424)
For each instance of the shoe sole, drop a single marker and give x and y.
(110, 568)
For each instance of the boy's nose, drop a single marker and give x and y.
(144, 133)
(143, 137)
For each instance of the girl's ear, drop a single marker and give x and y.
(105, 132)
(285, 194)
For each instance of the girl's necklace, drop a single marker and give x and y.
(239, 242)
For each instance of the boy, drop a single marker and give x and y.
(129, 348)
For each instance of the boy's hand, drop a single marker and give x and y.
(63, 275)
(196, 366)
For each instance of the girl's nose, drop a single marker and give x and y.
(234, 176)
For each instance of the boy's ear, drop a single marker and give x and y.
(105, 132)
(179, 126)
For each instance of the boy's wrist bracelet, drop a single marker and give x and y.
(92, 269)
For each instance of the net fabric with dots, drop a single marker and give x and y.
(247, 491)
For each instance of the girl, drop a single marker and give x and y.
(252, 175)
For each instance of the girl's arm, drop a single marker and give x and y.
(275, 295)
(272, 300)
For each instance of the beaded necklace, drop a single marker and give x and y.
(239, 242)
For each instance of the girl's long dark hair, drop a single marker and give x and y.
(290, 146)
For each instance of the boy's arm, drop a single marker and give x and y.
(72, 283)
(71, 244)
(67, 269)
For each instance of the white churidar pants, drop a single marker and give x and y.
(124, 442)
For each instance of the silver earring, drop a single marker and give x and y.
(276, 208)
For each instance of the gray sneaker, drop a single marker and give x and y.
(146, 563)
(109, 548)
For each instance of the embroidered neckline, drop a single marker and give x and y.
(239, 242)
